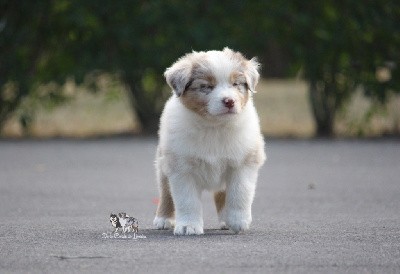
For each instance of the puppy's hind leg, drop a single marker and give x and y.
(165, 212)
(219, 199)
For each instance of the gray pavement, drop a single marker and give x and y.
(321, 207)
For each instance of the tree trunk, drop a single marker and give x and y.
(9, 106)
(149, 122)
(147, 105)
(323, 104)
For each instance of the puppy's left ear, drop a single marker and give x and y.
(178, 75)
(252, 75)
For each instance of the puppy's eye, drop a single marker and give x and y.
(239, 84)
(206, 86)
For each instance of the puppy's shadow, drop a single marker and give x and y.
(158, 233)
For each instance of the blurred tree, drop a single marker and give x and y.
(20, 50)
(340, 45)
(31, 53)
(48, 40)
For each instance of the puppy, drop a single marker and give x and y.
(209, 139)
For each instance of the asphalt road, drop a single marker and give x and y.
(321, 207)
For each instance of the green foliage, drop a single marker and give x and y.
(340, 45)
(337, 44)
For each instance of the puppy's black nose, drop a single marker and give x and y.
(229, 103)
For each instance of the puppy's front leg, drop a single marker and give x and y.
(188, 209)
(239, 197)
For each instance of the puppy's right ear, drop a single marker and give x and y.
(178, 76)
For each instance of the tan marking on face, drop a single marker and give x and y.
(166, 205)
(242, 90)
(219, 199)
(193, 98)
(237, 76)
(193, 101)
(249, 67)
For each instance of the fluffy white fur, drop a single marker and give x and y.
(206, 143)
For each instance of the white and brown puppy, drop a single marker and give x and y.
(209, 139)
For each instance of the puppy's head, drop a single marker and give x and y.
(214, 83)
(113, 218)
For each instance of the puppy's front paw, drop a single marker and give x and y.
(238, 221)
(189, 229)
(163, 223)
